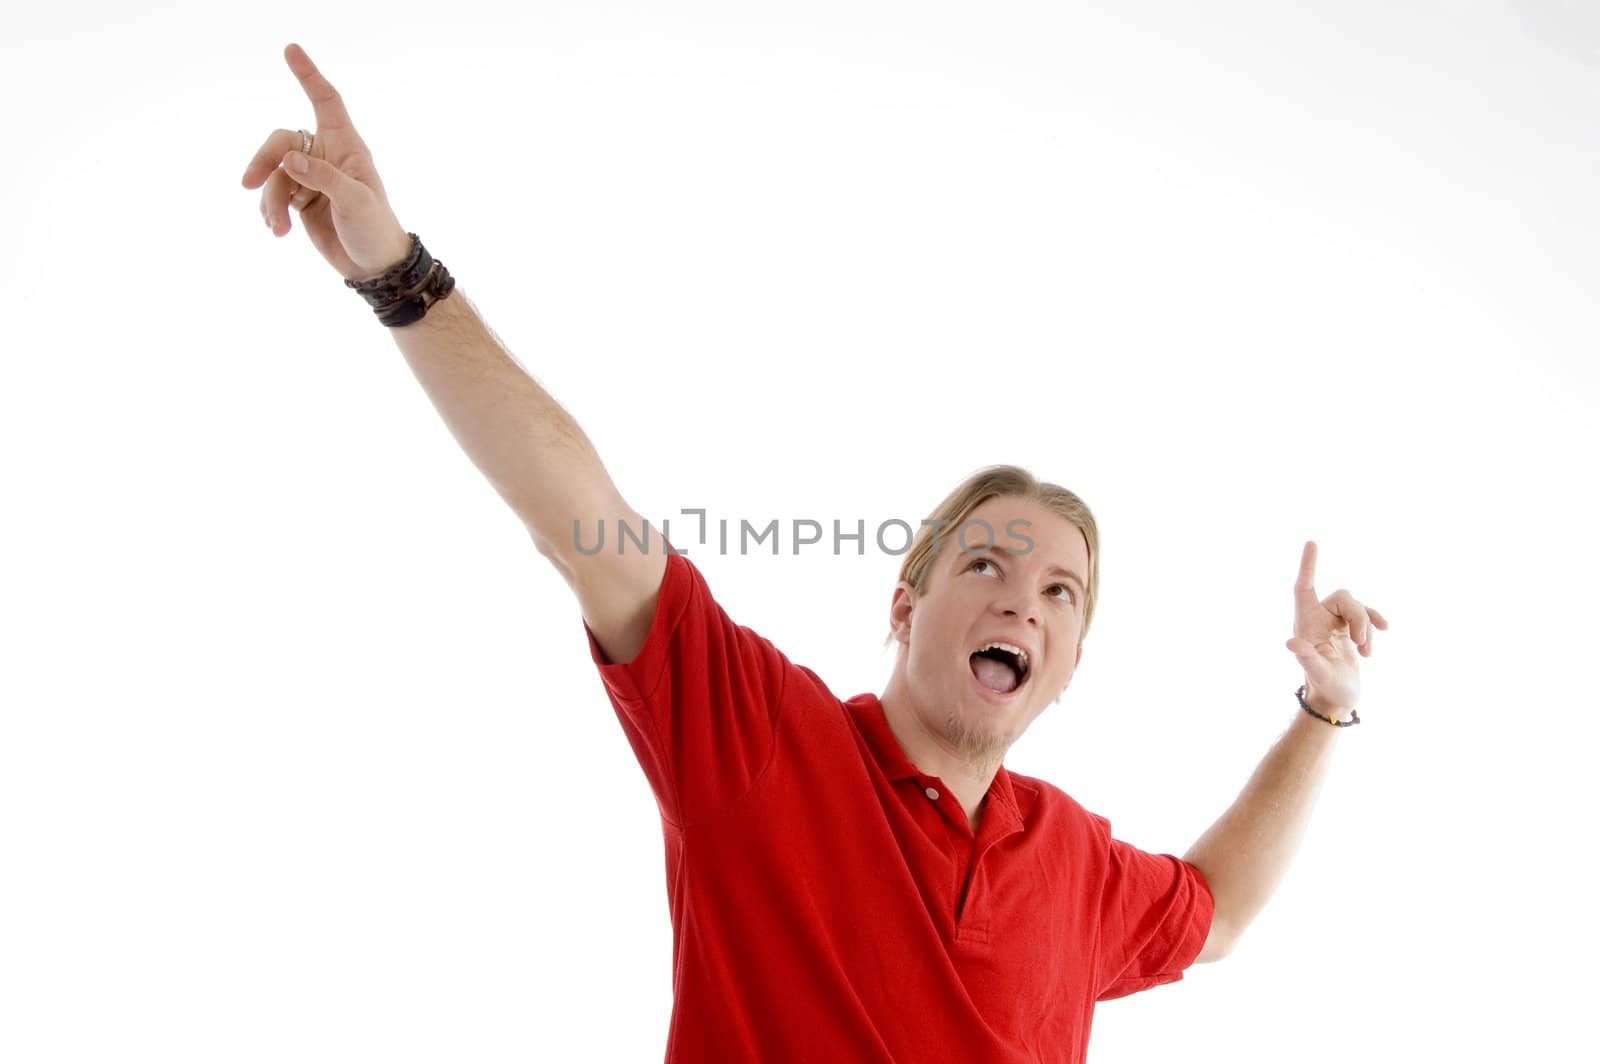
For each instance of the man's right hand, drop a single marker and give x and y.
(339, 195)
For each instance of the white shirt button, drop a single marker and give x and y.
(932, 793)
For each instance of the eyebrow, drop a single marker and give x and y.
(1054, 570)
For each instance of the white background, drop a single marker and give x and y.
(303, 756)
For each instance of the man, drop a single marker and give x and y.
(860, 879)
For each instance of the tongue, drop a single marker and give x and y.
(995, 675)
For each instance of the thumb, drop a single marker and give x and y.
(361, 236)
(321, 175)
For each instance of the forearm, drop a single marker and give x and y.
(522, 440)
(1246, 853)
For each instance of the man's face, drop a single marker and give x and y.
(1000, 589)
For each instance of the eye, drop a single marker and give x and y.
(1070, 596)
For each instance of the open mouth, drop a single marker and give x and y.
(1000, 668)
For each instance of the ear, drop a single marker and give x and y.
(900, 609)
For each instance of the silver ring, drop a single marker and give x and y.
(305, 149)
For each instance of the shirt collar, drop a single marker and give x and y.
(874, 727)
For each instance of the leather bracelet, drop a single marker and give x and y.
(403, 293)
(1301, 695)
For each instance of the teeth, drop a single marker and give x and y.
(1022, 655)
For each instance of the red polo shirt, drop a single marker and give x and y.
(830, 902)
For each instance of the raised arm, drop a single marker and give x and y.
(519, 437)
(542, 464)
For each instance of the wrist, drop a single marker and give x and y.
(395, 254)
(399, 251)
(402, 294)
(1314, 704)
(1336, 712)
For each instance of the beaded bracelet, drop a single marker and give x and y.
(403, 293)
(1301, 695)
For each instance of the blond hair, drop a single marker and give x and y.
(994, 482)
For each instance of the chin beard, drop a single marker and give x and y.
(983, 747)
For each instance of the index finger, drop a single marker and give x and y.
(326, 103)
(1308, 568)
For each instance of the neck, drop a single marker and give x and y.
(922, 734)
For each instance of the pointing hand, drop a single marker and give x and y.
(338, 193)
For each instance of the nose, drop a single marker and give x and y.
(1023, 607)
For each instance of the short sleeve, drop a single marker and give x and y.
(699, 702)
(1155, 915)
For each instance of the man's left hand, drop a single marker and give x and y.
(1328, 637)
